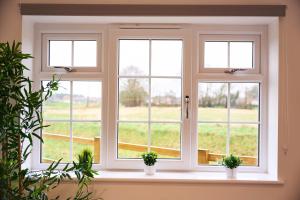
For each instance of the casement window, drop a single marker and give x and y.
(225, 52)
(188, 93)
(80, 52)
(231, 100)
(149, 81)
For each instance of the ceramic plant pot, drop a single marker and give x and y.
(149, 170)
(231, 173)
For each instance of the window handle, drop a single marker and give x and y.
(232, 71)
(67, 69)
(187, 101)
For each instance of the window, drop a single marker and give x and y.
(193, 94)
(222, 52)
(78, 52)
(74, 116)
(150, 95)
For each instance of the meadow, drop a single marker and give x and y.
(212, 134)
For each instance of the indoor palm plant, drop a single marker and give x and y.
(20, 122)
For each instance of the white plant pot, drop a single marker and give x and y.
(231, 173)
(150, 170)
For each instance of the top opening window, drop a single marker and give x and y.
(223, 52)
(79, 52)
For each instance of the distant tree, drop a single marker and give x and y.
(133, 94)
(233, 98)
(168, 99)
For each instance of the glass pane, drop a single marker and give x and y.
(165, 139)
(165, 99)
(87, 100)
(216, 55)
(134, 57)
(133, 99)
(166, 57)
(244, 142)
(212, 101)
(86, 135)
(132, 139)
(58, 106)
(85, 53)
(60, 53)
(244, 102)
(56, 142)
(241, 55)
(212, 141)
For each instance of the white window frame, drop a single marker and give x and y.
(46, 37)
(218, 75)
(117, 33)
(192, 72)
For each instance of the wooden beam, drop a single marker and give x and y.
(151, 10)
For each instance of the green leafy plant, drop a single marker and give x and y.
(231, 161)
(20, 122)
(149, 158)
(84, 173)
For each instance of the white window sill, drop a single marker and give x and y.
(186, 177)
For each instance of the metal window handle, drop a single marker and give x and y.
(232, 71)
(67, 69)
(187, 101)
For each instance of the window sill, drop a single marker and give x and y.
(186, 177)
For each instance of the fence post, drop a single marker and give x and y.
(203, 156)
(97, 149)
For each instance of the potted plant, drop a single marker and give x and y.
(20, 121)
(150, 160)
(231, 163)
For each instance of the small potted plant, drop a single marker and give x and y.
(231, 163)
(149, 160)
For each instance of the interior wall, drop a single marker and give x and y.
(289, 116)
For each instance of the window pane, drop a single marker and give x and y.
(60, 53)
(216, 55)
(211, 140)
(241, 55)
(212, 101)
(56, 142)
(132, 139)
(86, 135)
(165, 99)
(134, 57)
(133, 99)
(244, 102)
(85, 53)
(87, 100)
(166, 57)
(244, 142)
(58, 106)
(165, 139)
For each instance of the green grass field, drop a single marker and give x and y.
(211, 136)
